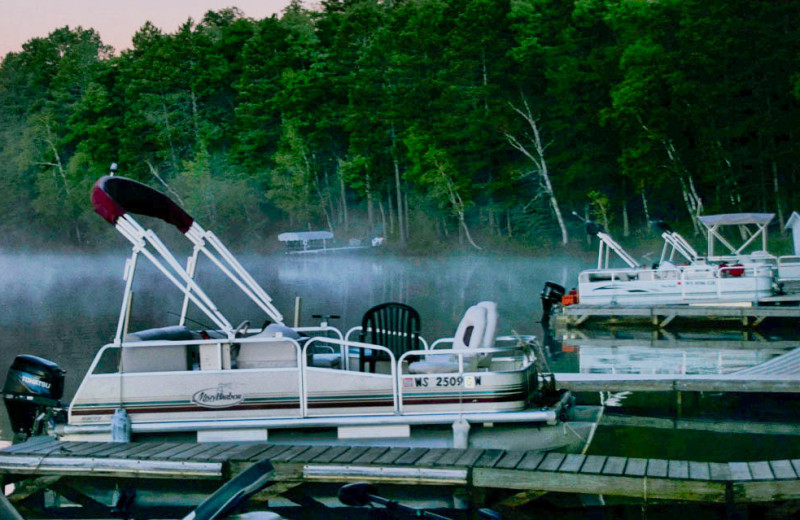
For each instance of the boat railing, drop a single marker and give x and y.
(464, 359)
(789, 267)
(518, 354)
(344, 350)
(679, 272)
(359, 328)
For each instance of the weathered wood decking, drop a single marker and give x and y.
(733, 482)
(662, 315)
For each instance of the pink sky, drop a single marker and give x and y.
(115, 20)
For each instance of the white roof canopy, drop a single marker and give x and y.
(305, 235)
(736, 219)
(759, 220)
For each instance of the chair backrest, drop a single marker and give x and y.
(490, 333)
(395, 326)
(471, 329)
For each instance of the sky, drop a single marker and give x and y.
(115, 20)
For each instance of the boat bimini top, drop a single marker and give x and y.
(752, 226)
(115, 198)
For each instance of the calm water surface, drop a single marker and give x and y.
(65, 307)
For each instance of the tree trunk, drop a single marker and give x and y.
(383, 216)
(400, 231)
(457, 203)
(406, 225)
(776, 192)
(391, 212)
(344, 200)
(646, 209)
(370, 212)
(694, 204)
(536, 156)
(626, 231)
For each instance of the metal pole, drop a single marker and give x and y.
(297, 306)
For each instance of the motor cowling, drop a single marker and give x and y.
(551, 296)
(33, 387)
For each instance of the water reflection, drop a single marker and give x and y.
(631, 351)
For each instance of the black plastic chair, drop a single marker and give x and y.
(395, 326)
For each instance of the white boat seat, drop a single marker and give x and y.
(269, 354)
(280, 354)
(157, 359)
(325, 360)
(477, 329)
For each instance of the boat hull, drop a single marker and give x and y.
(645, 287)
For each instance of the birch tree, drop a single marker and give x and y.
(533, 148)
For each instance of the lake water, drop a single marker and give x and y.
(65, 307)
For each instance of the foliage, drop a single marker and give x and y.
(403, 111)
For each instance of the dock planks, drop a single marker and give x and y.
(713, 482)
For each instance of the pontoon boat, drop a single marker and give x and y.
(696, 280)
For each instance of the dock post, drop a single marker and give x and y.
(297, 304)
(679, 404)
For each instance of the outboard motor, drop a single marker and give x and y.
(33, 388)
(551, 295)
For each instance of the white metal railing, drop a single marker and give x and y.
(344, 348)
(459, 354)
(789, 268)
(719, 274)
(359, 328)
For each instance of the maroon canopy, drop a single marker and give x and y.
(112, 197)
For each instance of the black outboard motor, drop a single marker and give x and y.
(551, 295)
(33, 388)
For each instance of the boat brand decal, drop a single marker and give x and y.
(220, 397)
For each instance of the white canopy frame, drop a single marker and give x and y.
(608, 244)
(755, 224)
(114, 198)
(674, 242)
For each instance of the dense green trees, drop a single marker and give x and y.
(421, 119)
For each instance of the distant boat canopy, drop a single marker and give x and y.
(302, 236)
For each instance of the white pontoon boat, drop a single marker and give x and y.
(698, 280)
(313, 242)
(751, 228)
(282, 384)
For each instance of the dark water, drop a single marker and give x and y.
(65, 307)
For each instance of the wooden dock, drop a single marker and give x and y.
(662, 315)
(473, 469)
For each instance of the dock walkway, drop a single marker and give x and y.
(711, 482)
(662, 315)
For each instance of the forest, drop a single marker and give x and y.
(464, 124)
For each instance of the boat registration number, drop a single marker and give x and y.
(441, 381)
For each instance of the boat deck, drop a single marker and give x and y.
(662, 315)
(711, 482)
